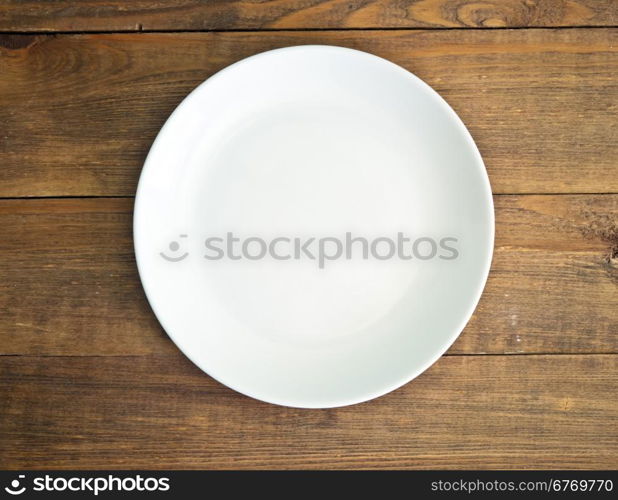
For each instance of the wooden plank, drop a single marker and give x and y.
(69, 286)
(480, 412)
(97, 15)
(80, 112)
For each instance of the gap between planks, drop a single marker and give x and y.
(132, 197)
(300, 30)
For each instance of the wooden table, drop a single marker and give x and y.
(88, 379)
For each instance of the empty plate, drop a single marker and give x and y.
(313, 226)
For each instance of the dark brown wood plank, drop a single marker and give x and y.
(480, 412)
(554, 277)
(97, 15)
(69, 286)
(79, 113)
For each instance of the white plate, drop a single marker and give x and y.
(313, 142)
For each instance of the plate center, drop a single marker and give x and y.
(323, 183)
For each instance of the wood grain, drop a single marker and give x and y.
(80, 112)
(97, 15)
(69, 285)
(162, 412)
(88, 379)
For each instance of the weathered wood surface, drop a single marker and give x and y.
(88, 379)
(162, 412)
(79, 113)
(70, 286)
(97, 15)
